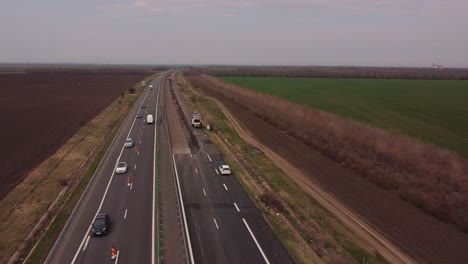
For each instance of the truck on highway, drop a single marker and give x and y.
(196, 120)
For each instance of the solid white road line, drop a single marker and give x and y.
(105, 192)
(225, 187)
(153, 225)
(204, 191)
(216, 223)
(183, 212)
(256, 242)
(196, 171)
(117, 257)
(216, 171)
(86, 243)
(209, 157)
(236, 207)
(125, 215)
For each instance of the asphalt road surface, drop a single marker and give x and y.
(224, 225)
(172, 205)
(128, 198)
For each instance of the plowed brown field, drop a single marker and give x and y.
(39, 112)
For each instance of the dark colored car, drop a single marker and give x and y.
(143, 106)
(139, 115)
(101, 225)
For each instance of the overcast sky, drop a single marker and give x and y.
(259, 32)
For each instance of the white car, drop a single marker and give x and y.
(128, 143)
(121, 167)
(224, 170)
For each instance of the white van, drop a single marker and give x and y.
(149, 119)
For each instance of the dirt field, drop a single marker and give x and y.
(424, 237)
(39, 112)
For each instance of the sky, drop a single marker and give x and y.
(243, 32)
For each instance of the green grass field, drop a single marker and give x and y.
(432, 111)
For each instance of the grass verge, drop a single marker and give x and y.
(307, 230)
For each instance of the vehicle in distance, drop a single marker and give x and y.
(101, 225)
(143, 106)
(151, 86)
(121, 167)
(224, 170)
(139, 115)
(128, 143)
(149, 119)
(196, 120)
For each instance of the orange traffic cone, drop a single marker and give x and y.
(113, 255)
(129, 182)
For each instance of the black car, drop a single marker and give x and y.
(139, 115)
(143, 106)
(101, 225)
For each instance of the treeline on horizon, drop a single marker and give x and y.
(82, 69)
(336, 72)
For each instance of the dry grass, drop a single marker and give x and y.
(426, 176)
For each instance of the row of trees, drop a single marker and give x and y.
(82, 69)
(337, 72)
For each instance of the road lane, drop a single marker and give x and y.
(119, 199)
(224, 224)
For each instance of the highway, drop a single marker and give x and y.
(224, 224)
(128, 198)
(171, 206)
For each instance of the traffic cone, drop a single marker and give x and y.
(113, 255)
(128, 182)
